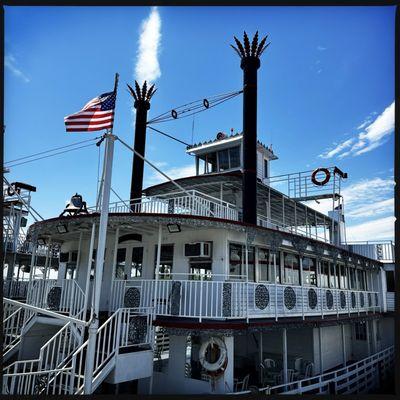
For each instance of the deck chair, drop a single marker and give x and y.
(242, 385)
(308, 372)
(75, 206)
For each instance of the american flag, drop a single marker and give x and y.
(98, 114)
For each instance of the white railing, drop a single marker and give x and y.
(14, 289)
(377, 250)
(114, 334)
(15, 319)
(360, 377)
(238, 299)
(191, 202)
(62, 296)
(27, 380)
(321, 234)
(60, 368)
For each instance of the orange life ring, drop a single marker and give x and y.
(325, 180)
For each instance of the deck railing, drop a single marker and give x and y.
(60, 368)
(15, 289)
(219, 299)
(191, 202)
(360, 377)
(377, 250)
(390, 301)
(62, 296)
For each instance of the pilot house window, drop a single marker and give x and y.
(166, 260)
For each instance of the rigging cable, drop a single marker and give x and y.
(167, 135)
(49, 151)
(194, 107)
(50, 155)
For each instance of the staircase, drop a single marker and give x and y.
(60, 368)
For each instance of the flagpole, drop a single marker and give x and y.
(99, 266)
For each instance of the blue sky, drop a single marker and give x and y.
(326, 93)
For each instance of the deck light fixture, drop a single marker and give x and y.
(174, 228)
(41, 241)
(62, 228)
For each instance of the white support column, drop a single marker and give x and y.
(114, 263)
(284, 355)
(46, 264)
(321, 358)
(78, 256)
(157, 268)
(247, 277)
(101, 246)
(368, 329)
(89, 268)
(343, 346)
(33, 259)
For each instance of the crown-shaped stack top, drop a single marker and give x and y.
(142, 94)
(255, 49)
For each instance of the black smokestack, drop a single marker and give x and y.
(142, 104)
(250, 63)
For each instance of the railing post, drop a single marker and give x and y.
(201, 298)
(72, 375)
(118, 333)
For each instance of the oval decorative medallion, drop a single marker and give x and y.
(289, 297)
(226, 299)
(312, 299)
(353, 300)
(261, 297)
(54, 298)
(137, 329)
(132, 298)
(175, 297)
(329, 299)
(342, 299)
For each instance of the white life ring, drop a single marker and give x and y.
(219, 365)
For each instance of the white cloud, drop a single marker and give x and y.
(147, 67)
(377, 229)
(369, 210)
(174, 173)
(330, 153)
(11, 63)
(321, 48)
(363, 199)
(373, 136)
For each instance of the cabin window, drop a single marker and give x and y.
(223, 159)
(136, 262)
(211, 163)
(352, 276)
(291, 268)
(332, 276)
(361, 279)
(166, 261)
(309, 272)
(94, 256)
(390, 281)
(324, 273)
(266, 266)
(237, 261)
(120, 265)
(200, 269)
(234, 157)
(360, 330)
(342, 276)
(265, 168)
